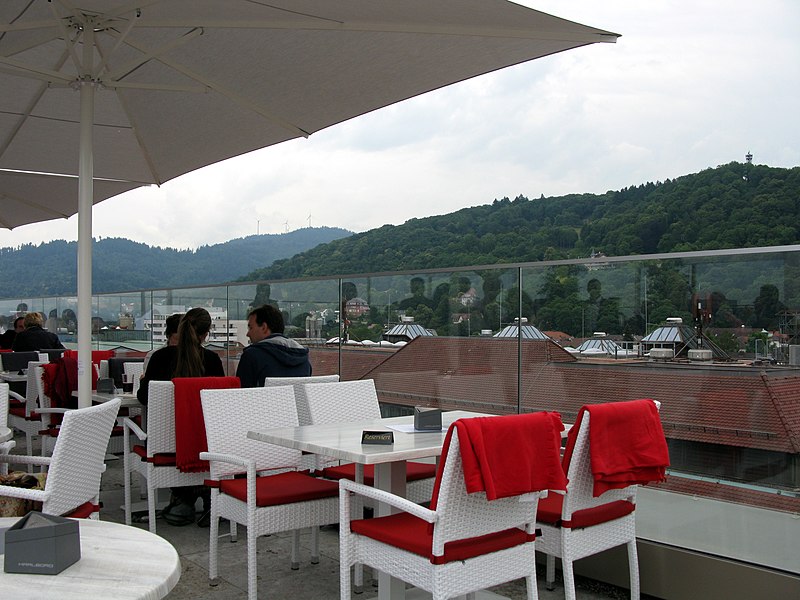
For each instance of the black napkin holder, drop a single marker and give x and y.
(427, 419)
(105, 385)
(385, 438)
(41, 544)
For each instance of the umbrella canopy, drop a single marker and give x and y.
(33, 197)
(143, 91)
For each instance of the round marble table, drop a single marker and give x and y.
(117, 562)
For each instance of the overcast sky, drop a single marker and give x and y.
(688, 86)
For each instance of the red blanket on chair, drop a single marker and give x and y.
(511, 455)
(627, 444)
(190, 427)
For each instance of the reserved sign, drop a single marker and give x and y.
(377, 437)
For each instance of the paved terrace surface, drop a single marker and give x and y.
(276, 579)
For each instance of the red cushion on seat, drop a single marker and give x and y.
(284, 488)
(411, 533)
(19, 411)
(549, 511)
(84, 511)
(414, 472)
(14, 402)
(164, 459)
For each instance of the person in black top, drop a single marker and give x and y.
(34, 337)
(187, 359)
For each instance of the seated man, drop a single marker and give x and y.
(34, 337)
(270, 353)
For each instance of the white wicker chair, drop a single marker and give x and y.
(299, 393)
(75, 469)
(577, 524)
(348, 401)
(136, 369)
(423, 560)
(155, 461)
(229, 415)
(23, 417)
(8, 446)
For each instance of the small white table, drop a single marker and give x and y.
(119, 562)
(128, 399)
(6, 434)
(343, 441)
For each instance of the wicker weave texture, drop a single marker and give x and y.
(458, 516)
(160, 439)
(303, 416)
(30, 427)
(573, 544)
(229, 414)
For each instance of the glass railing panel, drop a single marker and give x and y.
(426, 338)
(118, 323)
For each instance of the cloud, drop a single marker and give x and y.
(684, 89)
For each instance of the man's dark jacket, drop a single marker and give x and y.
(274, 356)
(34, 339)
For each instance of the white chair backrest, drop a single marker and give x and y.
(44, 399)
(299, 392)
(32, 387)
(102, 370)
(137, 370)
(3, 404)
(342, 402)
(580, 491)
(230, 413)
(160, 418)
(78, 457)
(471, 515)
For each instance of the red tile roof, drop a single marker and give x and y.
(728, 405)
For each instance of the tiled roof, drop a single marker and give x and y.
(729, 405)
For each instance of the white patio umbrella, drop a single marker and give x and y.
(144, 91)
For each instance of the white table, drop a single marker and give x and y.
(119, 562)
(343, 441)
(128, 399)
(6, 434)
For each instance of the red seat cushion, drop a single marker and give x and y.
(284, 488)
(164, 459)
(19, 411)
(414, 472)
(84, 511)
(549, 512)
(411, 533)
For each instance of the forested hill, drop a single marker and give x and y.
(120, 264)
(732, 206)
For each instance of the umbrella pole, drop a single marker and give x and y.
(85, 195)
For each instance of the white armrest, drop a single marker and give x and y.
(138, 431)
(26, 494)
(396, 501)
(23, 459)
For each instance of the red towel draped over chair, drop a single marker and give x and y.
(97, 355)
(190, 427)
(60, 379)
(510, 455)
(627, 444)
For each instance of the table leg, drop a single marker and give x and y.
(390, 477)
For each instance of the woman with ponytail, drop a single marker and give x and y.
(187, 359)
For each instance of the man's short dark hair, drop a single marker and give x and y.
(171, 324)
(270, 315)
(17, 319)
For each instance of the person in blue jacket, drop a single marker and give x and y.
(270, 353)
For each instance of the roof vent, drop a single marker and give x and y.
(700, 354)
(662, 353)
(674, 321)
(599, 334)
(406, 319)
(486, 332)
(522, 320)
